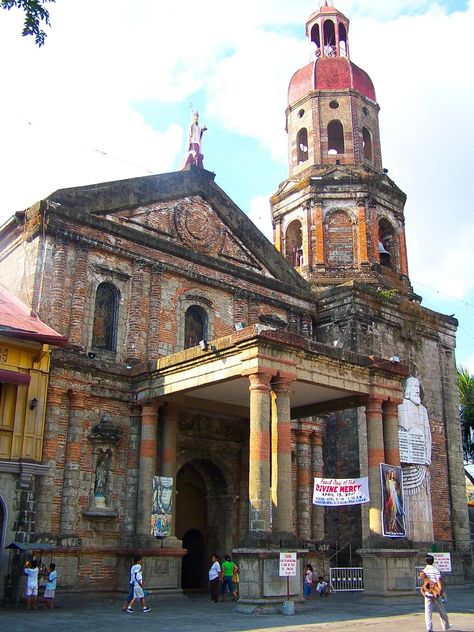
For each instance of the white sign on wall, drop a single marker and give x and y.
(442, 561)
(287, 564)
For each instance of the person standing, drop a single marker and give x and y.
(136, 578)
(214, 578)
(432, 594)
(228, 567)
(308, 581)
(50, 588)
(31, 571)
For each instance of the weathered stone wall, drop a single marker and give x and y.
(369, 322)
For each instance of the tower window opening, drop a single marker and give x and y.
(195, 326)
(334, 105)
(294, 244)
(365, 111)
(104, 330)
(342, 40)
(387, 244)
(302, 145)
(335, 138)
(329, 32)
(316, 39)
(300, 113)
(367, 144)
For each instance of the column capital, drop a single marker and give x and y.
(281, 382)
(260, 380)
(390, 407)
(150, 405)
(77, 399)
(303, 435)
(316, 438)
(373, 404)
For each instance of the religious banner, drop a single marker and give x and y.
(336, 492)
(162, 506)
(393, 514)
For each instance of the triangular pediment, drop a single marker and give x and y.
(185, 214)
(193, 223)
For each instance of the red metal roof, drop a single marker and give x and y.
(330, 73)
(19, 321)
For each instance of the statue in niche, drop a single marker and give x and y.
(415, 457)
(102, 478)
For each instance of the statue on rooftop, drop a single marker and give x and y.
(194, 156)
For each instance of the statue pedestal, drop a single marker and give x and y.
(389, 573)
(261, 589)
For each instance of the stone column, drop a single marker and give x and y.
(303, 483)
(259, 464)
(282, 505)
(375, 455)
(153, 338)
(72, 463)
(318, 222)
(55, 318)
(136, 339)
(47, 521)
(317, 513)
(147, 466)
(78, 300)
(390, 432)
(362, 232)
(169, 452)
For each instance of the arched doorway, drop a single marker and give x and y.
(193, 561)
(201, 514)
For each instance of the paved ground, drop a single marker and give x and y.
(193, 613)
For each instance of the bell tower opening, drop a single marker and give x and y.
(294, 243)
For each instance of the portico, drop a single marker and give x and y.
(267, 378)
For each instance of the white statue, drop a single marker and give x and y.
(415, 457)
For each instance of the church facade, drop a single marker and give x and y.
(210, 376)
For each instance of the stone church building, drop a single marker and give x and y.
(235, 370)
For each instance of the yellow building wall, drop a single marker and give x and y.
(21, 425)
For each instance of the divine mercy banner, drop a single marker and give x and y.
(162, 506)
(393, 512)
(337, 492)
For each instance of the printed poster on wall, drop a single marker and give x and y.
(337, 492)
(162, 506)
(393, 513)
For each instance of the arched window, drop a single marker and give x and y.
(104, 332)
(367, 144)
(195, 326)
(329, 38)
(335, 138)
(316, 38)
(342, 40)
(302, 145)
(387, 244)
(294, 244)
(339, 240)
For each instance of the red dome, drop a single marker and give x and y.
(330, 73)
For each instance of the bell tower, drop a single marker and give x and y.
(338, 216)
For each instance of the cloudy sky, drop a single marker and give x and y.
(109, 97)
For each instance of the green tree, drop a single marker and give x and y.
(36, 15)
(466, 408)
